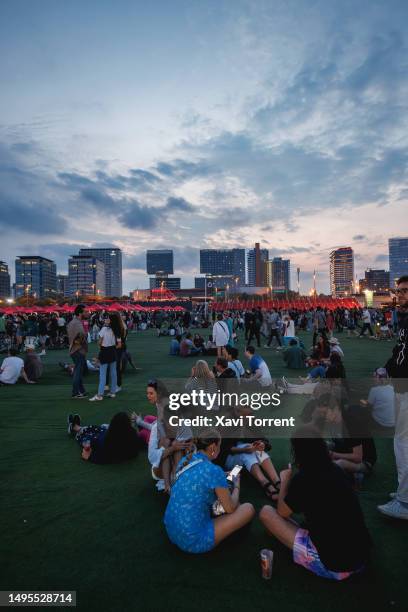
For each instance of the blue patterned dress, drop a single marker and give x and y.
(188, 514)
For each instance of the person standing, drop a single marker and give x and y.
(397, 368)
(273, 328)
(78, 348)
(220, 335)
(109, 337)
(366, 318)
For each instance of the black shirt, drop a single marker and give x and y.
(333, 515)
(356, 431)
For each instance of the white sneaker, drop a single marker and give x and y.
(42, 353)
(112, 395)
(118, 389)
(96, 398)
(394, 509)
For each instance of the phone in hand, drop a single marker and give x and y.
(234, 472)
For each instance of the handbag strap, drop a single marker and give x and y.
(188, 467)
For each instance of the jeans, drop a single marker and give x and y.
(79, 365)
(102, 377)
(318, 372)
(401, 445)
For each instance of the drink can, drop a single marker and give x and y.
(86, 444)
(266, 563)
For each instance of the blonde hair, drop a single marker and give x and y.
(202, 369)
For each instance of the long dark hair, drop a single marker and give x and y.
(122, 441)
(117, 325)
(336, 368)
(309, 450)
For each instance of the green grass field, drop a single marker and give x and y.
(71, 525)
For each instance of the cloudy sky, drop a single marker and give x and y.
(190, 124)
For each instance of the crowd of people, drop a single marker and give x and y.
(331, 451)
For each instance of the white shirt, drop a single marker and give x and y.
(107, 336)
(382, 399)
(11, 370)
(290, 329)
(154, 453)
(366, 316)
(265, 380)
(220, 333)
(61, 322)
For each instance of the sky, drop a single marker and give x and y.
(204, 124)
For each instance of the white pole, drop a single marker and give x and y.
(205, 297)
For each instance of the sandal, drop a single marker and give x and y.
(272, 495)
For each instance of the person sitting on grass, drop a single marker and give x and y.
(336, 542)
(12, 369)
(187, 348)
(199, 483)
(381, 402)
(175, 346)
(161, 450)
(210, 348)
(201, 378)
(33, 366)
(112, 443)
(233, 362)
(294, 356)
(259, 371)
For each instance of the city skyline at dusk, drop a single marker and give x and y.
(204, 126)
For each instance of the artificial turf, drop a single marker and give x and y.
(71, 525)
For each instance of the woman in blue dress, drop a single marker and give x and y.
(199, 483)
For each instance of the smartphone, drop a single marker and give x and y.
(234, 472)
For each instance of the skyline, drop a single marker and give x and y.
(149, 275)
(206, 125)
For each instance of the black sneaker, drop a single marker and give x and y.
(79, 396)
(70, 421)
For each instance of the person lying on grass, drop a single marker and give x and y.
(189, 522)
(336, 542)
(252, 454)
(112, 443)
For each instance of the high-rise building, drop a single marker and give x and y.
(215, 282)
(62, 284)
(224, 262)
(36, 277)
(257, 259)
(159, 262)
(164, 282)
(375, 280)
(398, 255)
(5, 289)
(112, 259)
(341, 271)
(86, 276)
(278, 274)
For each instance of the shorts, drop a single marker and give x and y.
(247, 460)
(305, 554)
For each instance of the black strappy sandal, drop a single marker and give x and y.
(272, 495)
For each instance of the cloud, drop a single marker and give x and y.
(178, 204)
(359, 237)
(33, 217)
